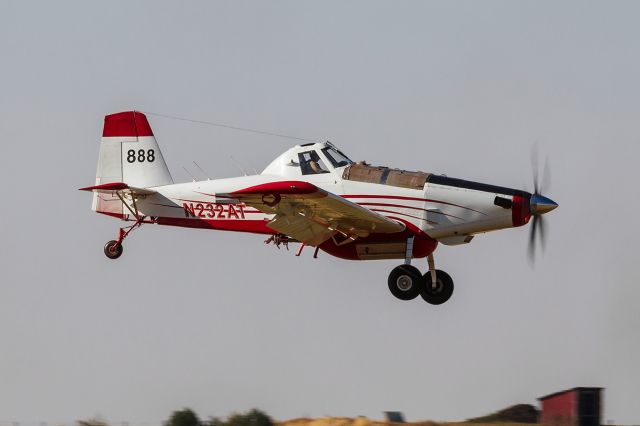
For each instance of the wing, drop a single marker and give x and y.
(312, 215)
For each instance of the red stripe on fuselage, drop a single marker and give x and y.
(408, 207)
(256, 226)
(403, 214)
(399, 197)
(116, 215)
(253, 226)
(410, 227)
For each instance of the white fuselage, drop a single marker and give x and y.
(443, 212)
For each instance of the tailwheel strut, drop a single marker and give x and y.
(113, 249)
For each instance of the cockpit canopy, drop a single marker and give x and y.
(324, 158)
(308, 159)
(311, 163)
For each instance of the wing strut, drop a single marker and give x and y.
(133, 208)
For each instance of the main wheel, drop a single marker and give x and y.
(113, 249)
(441, 292)
(405, 282)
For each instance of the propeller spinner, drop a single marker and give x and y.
(538, 205)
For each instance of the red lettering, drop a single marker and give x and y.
(200, 208)
(210, 212)
(214, 211)
(232, 212)
(188, 210)
(220, 210)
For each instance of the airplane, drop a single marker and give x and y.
(312, 194)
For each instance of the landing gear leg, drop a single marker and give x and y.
(409, 252)
(405, 281)
(113, 249)
(437, 285)
(430, 277)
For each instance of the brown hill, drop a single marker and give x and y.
(364, 421)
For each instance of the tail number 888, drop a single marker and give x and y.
(141, 156)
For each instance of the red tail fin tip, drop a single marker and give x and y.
(127, 123)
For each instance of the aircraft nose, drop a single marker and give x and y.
(540, 204)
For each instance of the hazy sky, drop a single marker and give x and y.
(219, 321)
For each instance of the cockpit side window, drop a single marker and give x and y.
(311, 163)
(337, 158)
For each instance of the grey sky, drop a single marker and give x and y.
(221, 322)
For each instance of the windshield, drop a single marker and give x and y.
(337, 158)
(311, 163)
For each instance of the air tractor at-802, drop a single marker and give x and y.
(312, 194)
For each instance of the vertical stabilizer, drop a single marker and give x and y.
(129, 153)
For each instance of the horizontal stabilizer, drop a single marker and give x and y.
(117, 186)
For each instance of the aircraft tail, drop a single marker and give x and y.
(129, 153)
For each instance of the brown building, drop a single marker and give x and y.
(572, 407)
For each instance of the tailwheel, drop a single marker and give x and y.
(439, 292)
(405, 282)
(113, 249)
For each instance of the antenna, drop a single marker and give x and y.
(189, 173)
(238, 164)
(203, 172)
(228, 126)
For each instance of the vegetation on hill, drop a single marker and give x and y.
(250, 418)
(187, 417)
(184, 417)
(96, 421)
(520, 413)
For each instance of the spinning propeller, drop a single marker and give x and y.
(538, 204)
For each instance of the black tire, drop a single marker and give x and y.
(405, 282)
(443, 290)
(113, 249)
